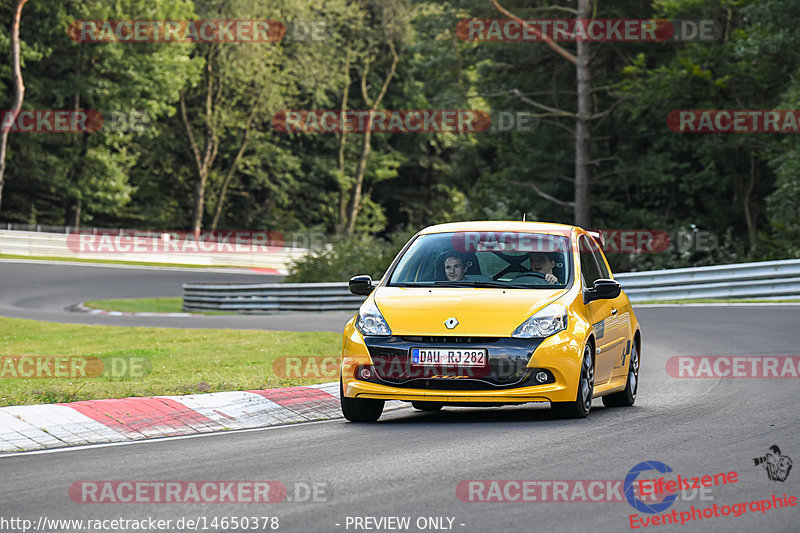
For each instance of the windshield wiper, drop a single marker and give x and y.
(461, 283)
(484, 284)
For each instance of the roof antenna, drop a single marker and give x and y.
(523, 217)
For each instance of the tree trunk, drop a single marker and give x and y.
(343, 189)
(199, 203)
(583, 140)
(202, 161)
(235, 165)
(19, 90)
(748, 213)
(78, 208)
(75, 176)
(583, 117)
(355, 200)
(75, 171)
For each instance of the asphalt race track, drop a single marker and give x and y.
(410, 464)
(42, 291)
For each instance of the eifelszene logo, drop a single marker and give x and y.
(630, 495)
(657, 495)
(777, 466)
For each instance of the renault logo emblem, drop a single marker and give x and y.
(451, 322)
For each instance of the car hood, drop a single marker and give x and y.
(481, 312)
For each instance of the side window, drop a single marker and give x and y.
(589, 269)
(598, 255)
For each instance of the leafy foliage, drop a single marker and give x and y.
(346, 258)
(140, 171)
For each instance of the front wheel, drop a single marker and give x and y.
(360, 409)
(627, 397)
(583, 401)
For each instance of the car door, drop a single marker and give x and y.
(620, 320)
(601, 314)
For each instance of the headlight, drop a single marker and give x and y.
(546, 322)
(370, 321)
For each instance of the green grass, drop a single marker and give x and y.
(177, 361)
(718, 301)
(110, 261)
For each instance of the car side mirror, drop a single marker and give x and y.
(361, 285)
(604, 289)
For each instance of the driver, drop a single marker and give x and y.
(543, 263)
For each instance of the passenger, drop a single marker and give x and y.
(454, 267)
(543, 263)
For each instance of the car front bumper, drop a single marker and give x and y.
(540, 393)
(508, 379)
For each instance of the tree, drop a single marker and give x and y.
(73, 177)
(583, 115)
(242, 86)
(382, 28)
(19, 91)
(716, 181)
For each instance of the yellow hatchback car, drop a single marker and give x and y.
(492, 313)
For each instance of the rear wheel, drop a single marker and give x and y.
(627, 397)
(427, 406)
(360, 409)
(583, 401)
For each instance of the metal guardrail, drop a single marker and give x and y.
(764, 279)
(269, 298)
(48, 228)
(769, 279)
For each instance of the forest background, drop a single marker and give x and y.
(189, 143)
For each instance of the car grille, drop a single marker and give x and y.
(451, 340)
(453, 384)
(507, 362)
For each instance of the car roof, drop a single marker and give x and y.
(501, 225)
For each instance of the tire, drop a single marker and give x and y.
(359, 409)
(627, 397)
(583, 397)
(427, 406)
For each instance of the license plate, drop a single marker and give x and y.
(448, 356)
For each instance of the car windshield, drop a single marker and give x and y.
(485, 259)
